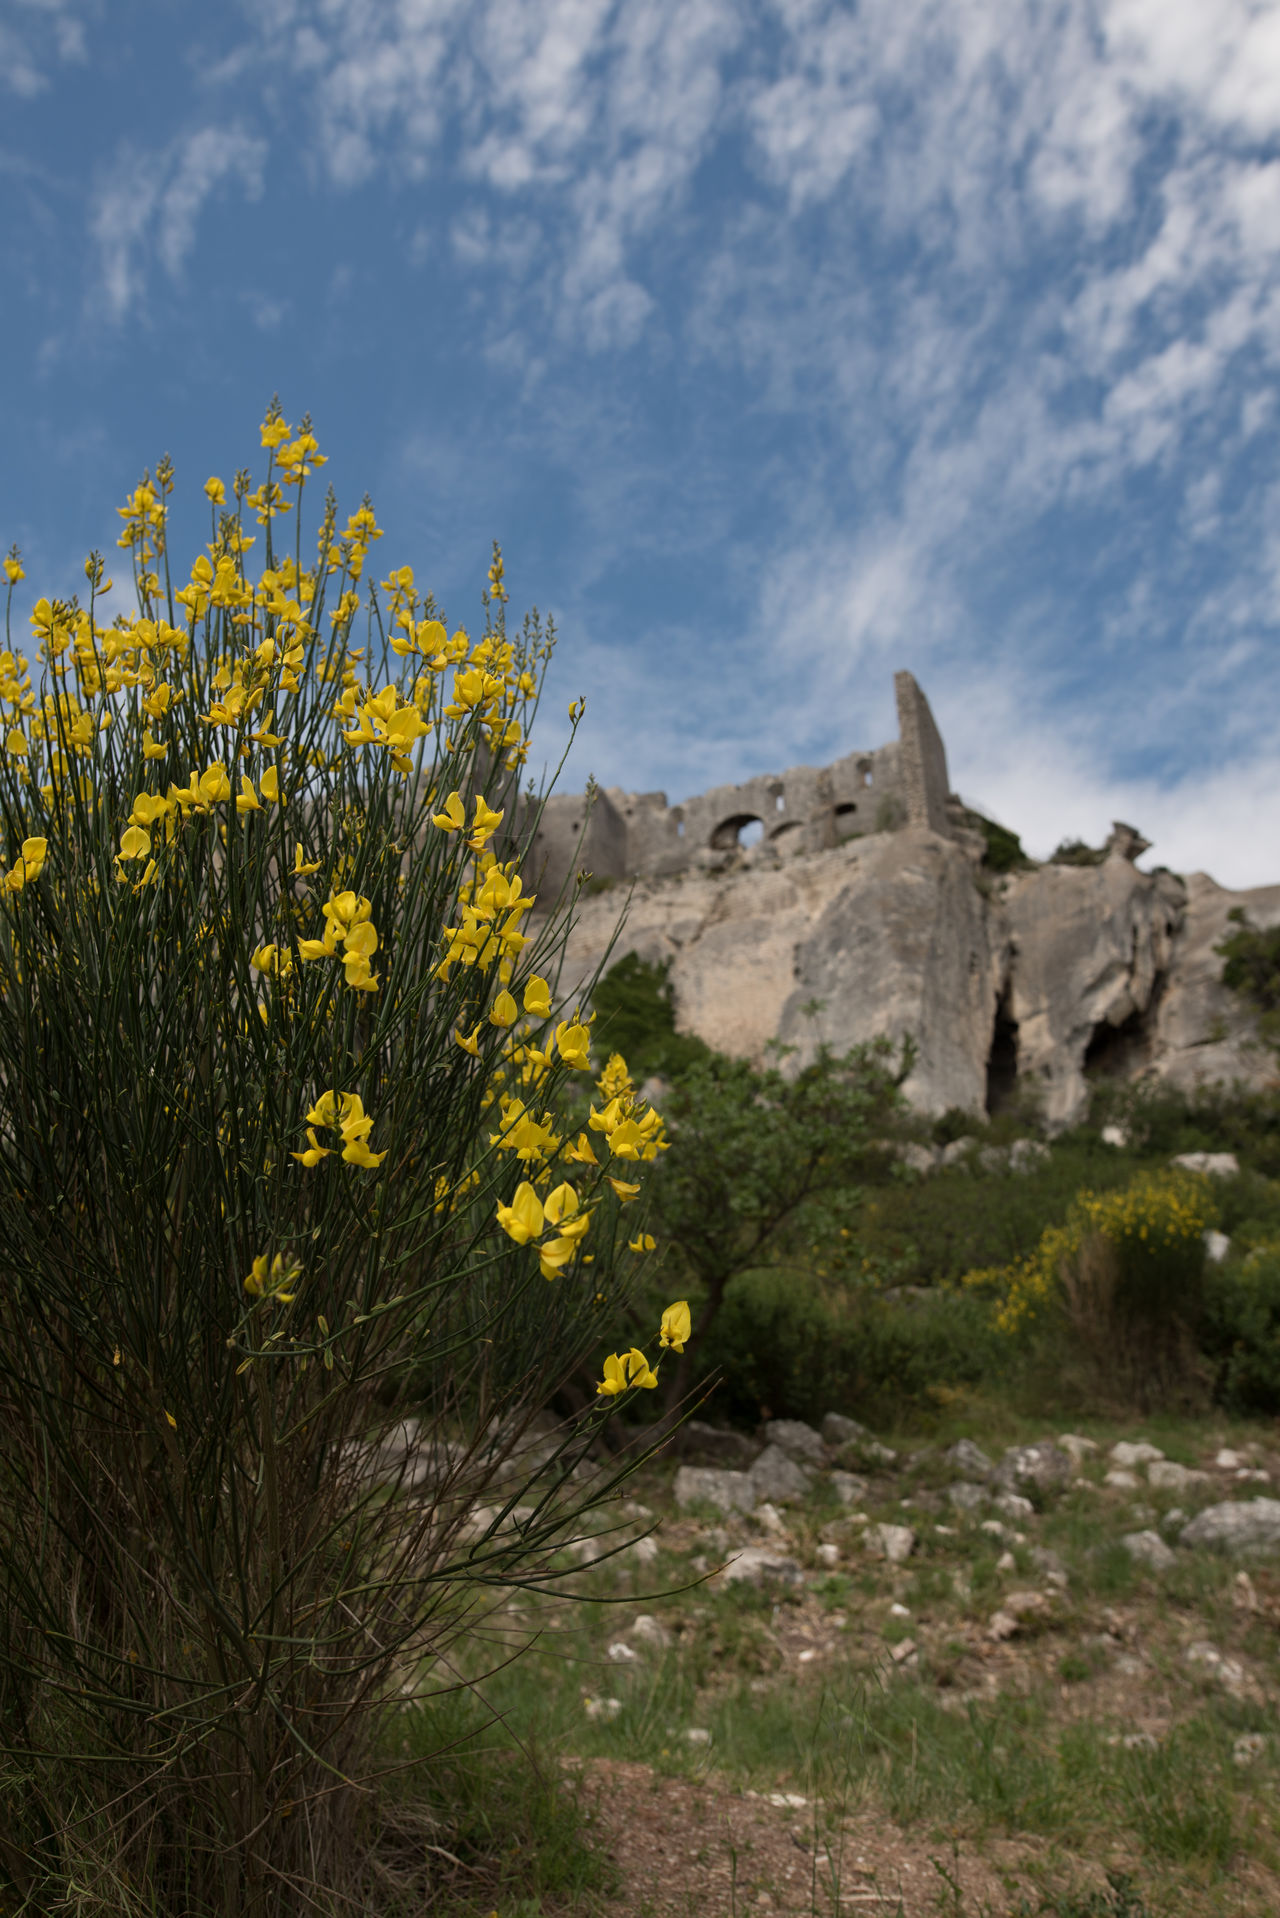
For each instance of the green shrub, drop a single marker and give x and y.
(1251, 967)
(1004, 851)
(1074, 852)
(792, 1347)
(1240, 1331)
(1120, 1279)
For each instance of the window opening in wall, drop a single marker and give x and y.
(866, 779)
(846, 818)
(1002, 1060)
(779, 804)
(741, 829)
(679, 828)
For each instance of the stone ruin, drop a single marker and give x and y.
(618, 835)
(834, 905)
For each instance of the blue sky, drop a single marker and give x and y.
(780, 344)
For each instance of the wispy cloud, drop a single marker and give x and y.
(37, 37)
(148, 205)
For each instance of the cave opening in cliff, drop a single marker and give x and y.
(1002, 1060)
(1115, 1052)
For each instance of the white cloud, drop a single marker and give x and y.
(36, 36)
(149, 205)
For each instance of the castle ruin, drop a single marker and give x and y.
(774, 817)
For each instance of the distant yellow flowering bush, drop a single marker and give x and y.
(290, 1146)
(1155, 1228)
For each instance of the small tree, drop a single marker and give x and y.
(752, 1148)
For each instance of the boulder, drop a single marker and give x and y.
(837, 1430)
(1014, 1506)
(1043, 1464)
(956, 1152)
(1244, 1525)
(702, 1444)
(1077, 1448)
(1026, 1154)
(1121, 1480)
(798, 1440)
(894, 1542)
(648, 1630)
(1216, 1246)
(1149, 1549)
(778, 1478)
(848, 1487)
(1128, 1453)
(1217, 1165)
(708, 1485)
(753, 1565)
(966, 1496)
(1165, 1476)
(969, 1459)
(918, 1158)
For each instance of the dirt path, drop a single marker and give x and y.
(705, 1851)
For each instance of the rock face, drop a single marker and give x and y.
(1033, 978)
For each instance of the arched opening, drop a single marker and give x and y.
(846, 821)
(779, 804)
(1002, 1060)
(742, 829)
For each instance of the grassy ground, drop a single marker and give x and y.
(1126, 1726)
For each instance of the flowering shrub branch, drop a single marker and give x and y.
(282, 1077)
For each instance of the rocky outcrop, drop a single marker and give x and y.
(1042, 979)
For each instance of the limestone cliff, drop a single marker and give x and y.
(1042, 977)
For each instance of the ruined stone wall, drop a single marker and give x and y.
(776, 816)
(925, 784)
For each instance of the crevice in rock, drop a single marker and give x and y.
(1002, 1060)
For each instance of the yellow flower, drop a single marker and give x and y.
(624, 1191)
(216, 491)
(314, 1152)
(503, 1011)
(574, 1042)
(581, 1153)
(470, 1042)
(633, 1369)
(135, 842)
(270, 1281)
(301, 865)
(676, 1323)
(522, 1220)
(537, 998)
(454, 816)
(29, 865)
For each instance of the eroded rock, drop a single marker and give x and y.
(798, 1440)
(969, 1459)
(1149, 1549)
(754, 1565)
(709, 1485)
(1043, 1464)
(1237, 1525)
